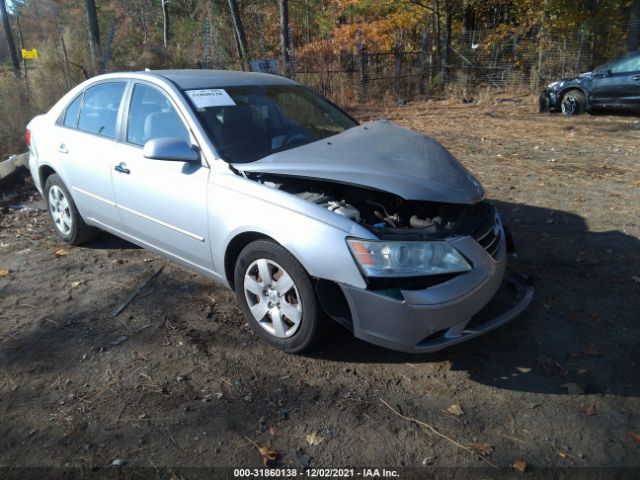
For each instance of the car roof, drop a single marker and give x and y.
(186, 79)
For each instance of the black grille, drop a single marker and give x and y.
(489, 233)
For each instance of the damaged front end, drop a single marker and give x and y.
(437, 255)
(412, 312)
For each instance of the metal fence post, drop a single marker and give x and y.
(397, 53)
(363, 62)
(424, 51)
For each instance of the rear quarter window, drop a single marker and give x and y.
(71, 113)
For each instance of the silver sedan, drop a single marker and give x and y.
(257, 182)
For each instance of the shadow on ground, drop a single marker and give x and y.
(580, 331)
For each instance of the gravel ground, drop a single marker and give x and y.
(178, 379)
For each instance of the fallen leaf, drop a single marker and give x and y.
(118, 261)
(61, 252)
(519, 465)
(634, 435)
(5, 272)
(455, 409)
(120, 340)
(75, 284)
(591, 410)
(483, 449)
(268, 455)
(562, 454)
(314, 439)
(591, 350)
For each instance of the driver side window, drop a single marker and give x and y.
(627, 65)
(152, 115)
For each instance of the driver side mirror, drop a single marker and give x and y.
(172, 149)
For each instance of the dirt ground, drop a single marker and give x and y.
(178, 379)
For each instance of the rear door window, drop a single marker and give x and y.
(100, 107)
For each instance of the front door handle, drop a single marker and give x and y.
(122, 168)
(636, 78)
(62, 148)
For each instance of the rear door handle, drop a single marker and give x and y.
(62, 148)
(122, 168)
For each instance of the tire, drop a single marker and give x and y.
(64, 214)
(295, 303)
(573, 103)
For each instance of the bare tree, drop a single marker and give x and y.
(285, 44)
(165, 22)
(241, 37)
(9, 36)
(94, 33)
(633, 40)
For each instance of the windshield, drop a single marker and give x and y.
(246, 123)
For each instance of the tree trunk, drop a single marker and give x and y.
(239, 30)
(284, 37)
(21, 40)
(447, 43)
(633, 39)
(9, 36)
(541, 39)
(94, 33)
(165, 22)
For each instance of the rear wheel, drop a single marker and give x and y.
(573, 103)
(277, 297)
(64, 214)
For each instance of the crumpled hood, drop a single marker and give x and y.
(382, 156)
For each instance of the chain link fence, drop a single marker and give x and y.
(474, 60)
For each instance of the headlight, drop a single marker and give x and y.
(406, 259)
(551, 85)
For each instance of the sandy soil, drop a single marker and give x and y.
(177, 379)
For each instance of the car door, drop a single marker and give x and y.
(161, 203)
(86, 148)
(619, 87)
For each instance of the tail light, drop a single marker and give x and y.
(28, 137)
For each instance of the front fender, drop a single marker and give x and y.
(319, 246)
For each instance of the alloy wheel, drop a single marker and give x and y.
(569, 105)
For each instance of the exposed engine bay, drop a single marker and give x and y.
(388, 216)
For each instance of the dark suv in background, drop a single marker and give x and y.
(615, 85)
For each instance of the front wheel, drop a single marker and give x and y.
(573, 103)
(277, 297)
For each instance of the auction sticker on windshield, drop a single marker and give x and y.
(211, 97)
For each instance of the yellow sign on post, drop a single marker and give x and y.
(30, 54)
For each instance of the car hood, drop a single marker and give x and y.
(382, 156)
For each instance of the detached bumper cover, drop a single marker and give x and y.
(437, 317)
(549, 101)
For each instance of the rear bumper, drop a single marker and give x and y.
(443, 315)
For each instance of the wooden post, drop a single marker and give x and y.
(21, 40)
(65, 61)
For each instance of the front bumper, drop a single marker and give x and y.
(549, 101)
(437, 317)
